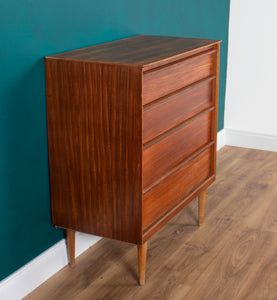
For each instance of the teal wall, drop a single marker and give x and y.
(31, 29)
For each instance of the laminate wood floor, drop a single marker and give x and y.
(233, 255)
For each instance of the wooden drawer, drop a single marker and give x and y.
(176, 109)
(174, 148)
(163, 81)
(173, 189)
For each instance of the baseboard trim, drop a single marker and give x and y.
(221, 140)
(250, 140)
(29, 277)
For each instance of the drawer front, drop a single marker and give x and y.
(176, 109)
(160, 83)
(174, 148)
(176, 187)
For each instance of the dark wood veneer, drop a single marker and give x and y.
(175, 147)
(94, 137)
(182, 106)
(148, 51)
(173, 189)
(165, 80)
(131, 135)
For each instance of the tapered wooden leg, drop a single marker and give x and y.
(70, 241)
(142, 252)
(201, 206)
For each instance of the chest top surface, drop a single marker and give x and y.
(142, 50)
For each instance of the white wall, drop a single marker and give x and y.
(251, 94)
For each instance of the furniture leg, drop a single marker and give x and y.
(201, 206)
(142, 252)
(70, 241)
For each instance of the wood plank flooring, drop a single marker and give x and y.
(233, 255)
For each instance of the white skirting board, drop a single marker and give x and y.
(221, 139)
(250, 140)
(33, 274)
(26, 279)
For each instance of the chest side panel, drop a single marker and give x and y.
(95, 140)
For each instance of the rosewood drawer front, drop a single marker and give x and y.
(162, 116)
(172, 149)
(166, 80)
(176, 187)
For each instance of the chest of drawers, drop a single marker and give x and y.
(132, 128)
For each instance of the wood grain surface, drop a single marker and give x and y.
(165, 80)
(103, 179)
(142, 255)
(95, 140)
(231, 256)
(172, 149)
(98, 168)
(148, 51)
(182, 106)
(173, 189)
(215, 103)
(70, 244)
(201, 206)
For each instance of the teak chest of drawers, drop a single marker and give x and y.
(132, 128)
